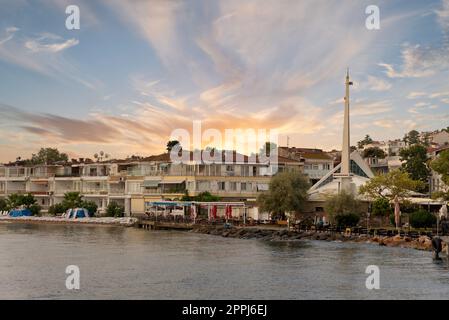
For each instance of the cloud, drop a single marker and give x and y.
(50, 43)
(416, 94)
(377, 84)
(9, 34)
(44, 54)
(418, 62)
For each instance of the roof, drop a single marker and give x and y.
(316, 155)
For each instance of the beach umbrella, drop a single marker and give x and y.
(397, 212)
(228, 212)
(443, 211)
(214, 211)
(193, 212)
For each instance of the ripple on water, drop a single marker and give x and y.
(128, 263)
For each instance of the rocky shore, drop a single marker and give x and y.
(421, 243)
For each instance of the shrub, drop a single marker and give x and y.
(422, 219)
(90, 206)
(381, 207)
(35, 209)
(114, 210)
(57, 208)
(3, 204)
(347, 219)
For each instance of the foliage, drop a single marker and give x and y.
(90, 206)
(412, 137)
(415, 162)
(364, 142)
(374, 152)
(394, 183)
(422, 219)
(27, 200)
(441, 165)
(35, 209)
(287, 192)
(114, 210)
(56, 208)
(347, 220)
(171, 144)
(381, 207)
(3, 205)
(342, 204)
(15, 200)
(72, 200)
(206, 197)
(48, 156)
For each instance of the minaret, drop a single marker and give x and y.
(346, 148)
(344, 176)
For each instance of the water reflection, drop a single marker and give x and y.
(121, 263)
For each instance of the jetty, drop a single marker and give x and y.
(163, 225)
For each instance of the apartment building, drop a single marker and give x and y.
(316, 162)
(134, 182)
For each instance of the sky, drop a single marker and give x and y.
(137, 70)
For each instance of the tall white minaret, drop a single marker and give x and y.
(346, 148)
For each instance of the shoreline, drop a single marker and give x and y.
(423, 243)
(103, 221)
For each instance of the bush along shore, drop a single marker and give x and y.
(419, 243)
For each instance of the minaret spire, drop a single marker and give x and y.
(345, 153)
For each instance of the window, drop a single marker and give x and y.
(243, 186)
(315, 167)
(230, 168)
(221, 186)
(233, 186)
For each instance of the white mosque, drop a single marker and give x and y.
(351, 173)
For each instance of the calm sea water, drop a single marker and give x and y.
(128, 263)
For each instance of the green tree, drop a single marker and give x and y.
(389, 185)
(72, 200)
(287, 193)
(412, 137)
(48, 156)
(364, 142)
(415, 163)
(114, 210)
(441, 165)
(171, 144)
(381, 207)
(91, 206)
(342, 208)
(374, 152)
(13, 201)
(27, 200)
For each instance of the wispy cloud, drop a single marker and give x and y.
(50, 43)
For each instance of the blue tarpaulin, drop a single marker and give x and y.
(20, 213)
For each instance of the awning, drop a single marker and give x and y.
(151, 183)
(172, 182)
